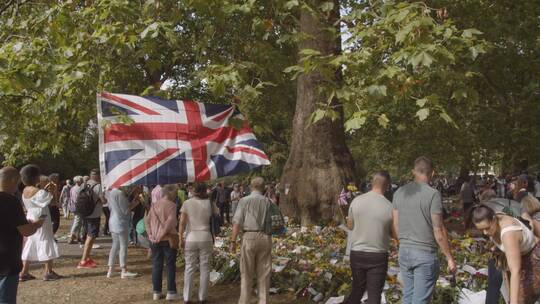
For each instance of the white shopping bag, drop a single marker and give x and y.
(467, 296)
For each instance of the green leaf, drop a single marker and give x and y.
(422, 58)
(355, 123)
(402, 34)
(469, 33)
(377, 90)
(151, 28)
(292, 69)
(422, 114)
(290, 4)
(309, 52)
(421, 102)
(383, 120)
(401, 15)
(474, 52)
(318, 115)
(446, 117)
(459, 94)
(327, 6)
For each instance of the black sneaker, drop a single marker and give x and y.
(53, 276)
(26, 277)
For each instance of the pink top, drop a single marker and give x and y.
(156, 194)
(161, 220)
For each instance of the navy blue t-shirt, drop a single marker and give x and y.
(11, 216)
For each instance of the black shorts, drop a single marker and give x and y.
(92, 227)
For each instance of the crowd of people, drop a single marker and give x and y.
(414, 218)
(173, 218)
(151, 217)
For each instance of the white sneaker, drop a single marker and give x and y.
(173, 297)
(110, 274)
(96, 246)
(128, 275)
(157, 296)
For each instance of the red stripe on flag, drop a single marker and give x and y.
(247, 150)
(129, 103)
(222, 134)
(147, 131)
(198, 150)
(143, 167)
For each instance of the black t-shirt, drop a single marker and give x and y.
(11, 216)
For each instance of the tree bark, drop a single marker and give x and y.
(319, 163)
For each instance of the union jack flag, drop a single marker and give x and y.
(171, 141)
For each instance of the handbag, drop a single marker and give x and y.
(274, 223)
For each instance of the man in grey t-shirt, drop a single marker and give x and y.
(370, 222)
(418, 220)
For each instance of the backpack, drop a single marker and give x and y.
(274, 222)
(85, 203)
(141, 228)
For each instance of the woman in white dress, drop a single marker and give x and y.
(40, 247)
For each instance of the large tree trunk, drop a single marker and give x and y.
(319, 164)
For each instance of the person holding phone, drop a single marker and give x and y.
(40, 247)
(13, 226)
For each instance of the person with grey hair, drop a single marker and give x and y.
(13, 226)
(256, 251)
(64, 198)
(370, 222)
(418, 220)
(77, 220)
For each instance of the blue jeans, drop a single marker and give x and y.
(8, 289)
(419, 270)
(162, 252)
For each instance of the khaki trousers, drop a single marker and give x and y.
(255, 262)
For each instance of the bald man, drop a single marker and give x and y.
(13, 226)
(370, 222)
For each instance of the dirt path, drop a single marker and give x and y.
(92, 285)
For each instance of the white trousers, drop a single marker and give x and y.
(200, 252)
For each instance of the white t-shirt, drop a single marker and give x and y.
(198, 212)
